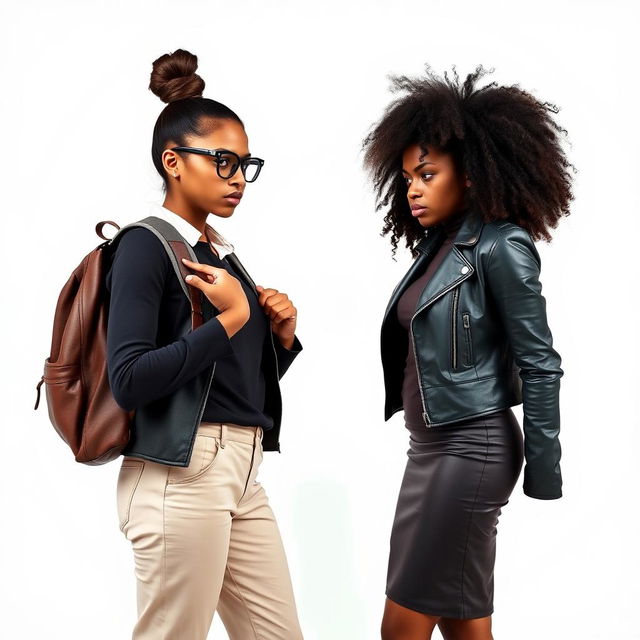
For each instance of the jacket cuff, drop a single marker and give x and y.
(542, 497)
(541, 479)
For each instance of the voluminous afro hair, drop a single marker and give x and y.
(503, 138)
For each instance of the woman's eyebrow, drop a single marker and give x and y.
(248, 155)
(420, 166)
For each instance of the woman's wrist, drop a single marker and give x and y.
(287, 343)
(232, 321)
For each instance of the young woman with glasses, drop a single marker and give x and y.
(204, 536)
(471, 176)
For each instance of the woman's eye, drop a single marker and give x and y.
(425, 176)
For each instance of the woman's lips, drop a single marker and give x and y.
(418, 212)
(232, 200)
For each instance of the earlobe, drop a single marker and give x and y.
(169, 161)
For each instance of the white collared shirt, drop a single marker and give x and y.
(190, 233)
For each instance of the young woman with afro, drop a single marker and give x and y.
(470, 177)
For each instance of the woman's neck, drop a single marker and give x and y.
(454, 222)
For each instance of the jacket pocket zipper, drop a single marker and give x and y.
(466, 323)
(454, 329)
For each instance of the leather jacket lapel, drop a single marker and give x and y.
(454, 269)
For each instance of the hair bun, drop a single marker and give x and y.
(174, 76)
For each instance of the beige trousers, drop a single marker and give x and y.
(205, 538)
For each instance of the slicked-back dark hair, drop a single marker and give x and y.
(503, 138)
(175, 81)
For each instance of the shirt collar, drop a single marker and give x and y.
(190, 233)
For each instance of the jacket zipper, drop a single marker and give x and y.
(466, 323)
(425, 414)
(454, 331)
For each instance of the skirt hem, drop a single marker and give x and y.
(431, 611)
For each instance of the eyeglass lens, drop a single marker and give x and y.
(227, 165)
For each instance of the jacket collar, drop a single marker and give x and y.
(190, 233)
(470, 229)
(467, 235)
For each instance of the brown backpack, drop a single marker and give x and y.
(82, 408)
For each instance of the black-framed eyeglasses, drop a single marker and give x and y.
(227, 162)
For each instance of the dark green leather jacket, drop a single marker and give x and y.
(482, 341)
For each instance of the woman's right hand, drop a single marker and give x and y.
(224, 291)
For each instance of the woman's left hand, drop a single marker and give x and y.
(282, 313)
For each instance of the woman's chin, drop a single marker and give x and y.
(223, 210)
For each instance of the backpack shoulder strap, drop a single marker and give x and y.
(177, 248)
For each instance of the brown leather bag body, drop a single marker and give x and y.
(81, 407)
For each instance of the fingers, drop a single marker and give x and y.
(281, 311)
(286, 318)
(276, 304)
(265, 294)
(195, 281)
(199, 266)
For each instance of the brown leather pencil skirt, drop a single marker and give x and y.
(443, 539)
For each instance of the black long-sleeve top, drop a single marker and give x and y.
(148, 306)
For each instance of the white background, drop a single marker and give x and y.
(309, 80)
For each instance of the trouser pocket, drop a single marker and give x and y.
(204, 454)
(128, 479)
